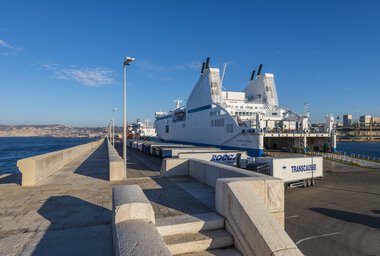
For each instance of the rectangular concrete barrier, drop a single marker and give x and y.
(116, 164)
(133, 229)
(252, 203)
(35, 169)
(171, 167)
(249, 219)
(130, 203)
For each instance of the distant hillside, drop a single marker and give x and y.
(54, 130)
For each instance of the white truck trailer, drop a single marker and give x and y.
(228, 157)
(295, 171)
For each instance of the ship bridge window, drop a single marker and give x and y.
(274, 114)
(179, 116)
(217, 113)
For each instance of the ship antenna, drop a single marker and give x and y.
(253, 75)
(224, 71)
(259, 71)
(203, 68)
(207, 62)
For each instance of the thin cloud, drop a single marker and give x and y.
(7, 49)
(146, 66)
(92, 77)
(50, 66)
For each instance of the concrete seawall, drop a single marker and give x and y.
(37, 168)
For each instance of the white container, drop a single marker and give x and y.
(294, 169)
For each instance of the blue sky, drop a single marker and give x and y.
(61, 61)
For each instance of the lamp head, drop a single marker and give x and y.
(128, 60)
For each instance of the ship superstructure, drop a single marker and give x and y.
(141, 129)
(251, 119)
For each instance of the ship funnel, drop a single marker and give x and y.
(259, 71)
(253, 75)
(203, 68)
(207, 62)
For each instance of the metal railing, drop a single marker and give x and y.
(358, 159)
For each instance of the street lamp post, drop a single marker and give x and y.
(113, 126)
(109, 131)
(126, 62)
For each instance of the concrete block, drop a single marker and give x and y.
(257, 185)
(115, 164)
(197, 170)
(250, 222)
(189, 223)
(137, 238)
(217, 171)
(260, 187)
(279, 217)
(197, 242)
(116, 171)
(208, 172)
(275, 195)
(130, 203)
(172, 167)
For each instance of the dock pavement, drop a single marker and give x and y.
(69, 213)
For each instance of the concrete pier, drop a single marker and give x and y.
(70, 212)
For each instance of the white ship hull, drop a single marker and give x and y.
(197, 130)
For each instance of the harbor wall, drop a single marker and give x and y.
(35, 169)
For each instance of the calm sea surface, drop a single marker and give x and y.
(15, 148)
(371, 149)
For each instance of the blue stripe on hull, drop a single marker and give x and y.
(199, 109)
(250, 151)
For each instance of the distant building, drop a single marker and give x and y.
(347, 120)
(365, 120)
(376, 119)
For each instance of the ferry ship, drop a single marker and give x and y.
(140, 129)
(251, 119)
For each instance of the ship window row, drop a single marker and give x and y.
(242, 107)
(217, 113)
(244, 113)
(217, 122)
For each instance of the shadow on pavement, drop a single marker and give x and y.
(96, 165)
(367, 220)
(10, 179)
(173, 197)
(77, 228)
(139, 161)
